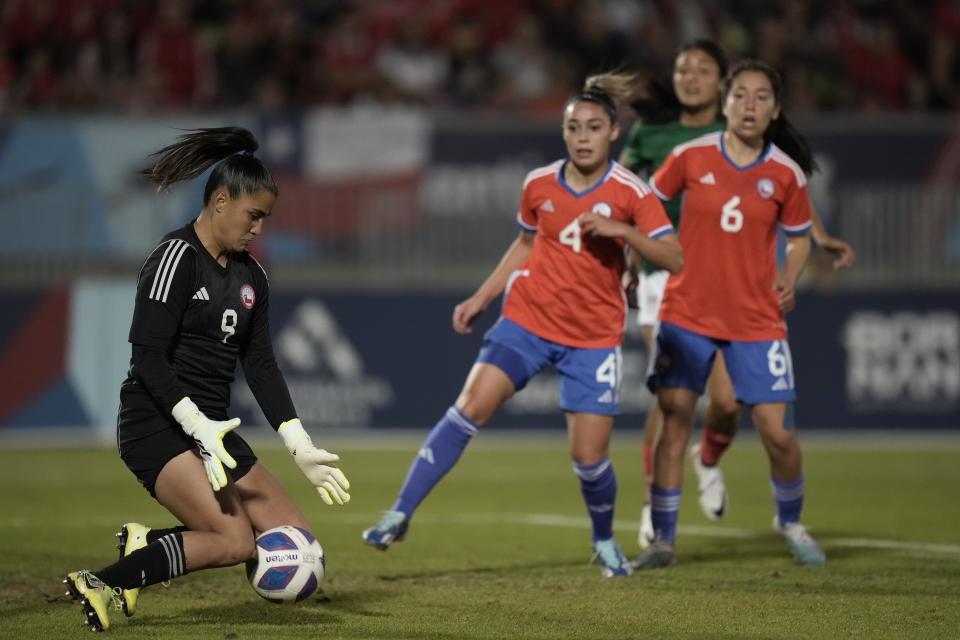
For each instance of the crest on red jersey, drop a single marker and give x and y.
(603, 209)
(765, 187)
(247, 297)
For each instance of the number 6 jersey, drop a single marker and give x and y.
(728, 227)
(199, 318)
(568, 290)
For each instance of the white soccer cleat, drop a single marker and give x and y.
(802, 545)
(646, 534)
(713, 492)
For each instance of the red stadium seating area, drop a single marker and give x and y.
(507, 56)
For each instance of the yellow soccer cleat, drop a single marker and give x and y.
(132, 536)
(95, 598)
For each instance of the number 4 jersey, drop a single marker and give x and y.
(728, 227)
(568, 291)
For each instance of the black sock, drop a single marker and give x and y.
(156, 562)
(155, 534)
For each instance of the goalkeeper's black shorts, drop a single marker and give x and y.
(146, 456)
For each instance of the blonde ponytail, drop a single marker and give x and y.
(607, 90)
(616, 85)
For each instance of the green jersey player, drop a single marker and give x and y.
(675, 113)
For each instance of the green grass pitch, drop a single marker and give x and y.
(500, 549)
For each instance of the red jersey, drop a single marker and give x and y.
(728, 228)
(568, 291)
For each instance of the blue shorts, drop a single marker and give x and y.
(761, 371)
(589, 379)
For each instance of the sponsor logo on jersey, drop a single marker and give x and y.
(201, 294)
(765, 187)
(546, 206)
(603, 209)
(247, 296)
(708, 178)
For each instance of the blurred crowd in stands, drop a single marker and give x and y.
(515, 56)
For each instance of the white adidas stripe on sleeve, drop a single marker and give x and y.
(160, 287)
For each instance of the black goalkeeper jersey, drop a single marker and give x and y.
(193, 320)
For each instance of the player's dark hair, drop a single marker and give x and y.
(780, 131)
(661, 104)
(238, 170)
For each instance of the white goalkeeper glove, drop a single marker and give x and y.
(330, 482)
(208, 434)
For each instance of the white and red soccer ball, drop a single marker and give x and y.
(289, 564)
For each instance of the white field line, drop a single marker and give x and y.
(542, 520)
(390, 439)
(707, 531)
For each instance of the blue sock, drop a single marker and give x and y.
(788, 497)
(664, 507)
(598, 484)
(440, 451)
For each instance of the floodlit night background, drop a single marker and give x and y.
(400, 133)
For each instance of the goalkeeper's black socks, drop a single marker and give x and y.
(159, 561)
(155, 534)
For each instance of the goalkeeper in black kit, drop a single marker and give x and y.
(202, 304)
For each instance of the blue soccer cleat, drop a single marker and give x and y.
(802, 545)
(391, 528)
(132, 536)
(613, 564)
(659, 554)
(95, 598)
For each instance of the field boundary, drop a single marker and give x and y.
(630, 526)
(389, 439)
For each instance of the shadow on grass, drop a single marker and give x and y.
(447, 573)
(725, 566)
(721, 550)
(735, 565)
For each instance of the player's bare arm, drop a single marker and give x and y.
(663, 252)
(843, 254)
(467, 311)
(798, 250)
(631, 273)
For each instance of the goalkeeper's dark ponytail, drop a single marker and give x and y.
(780, 131)
(196, 151)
